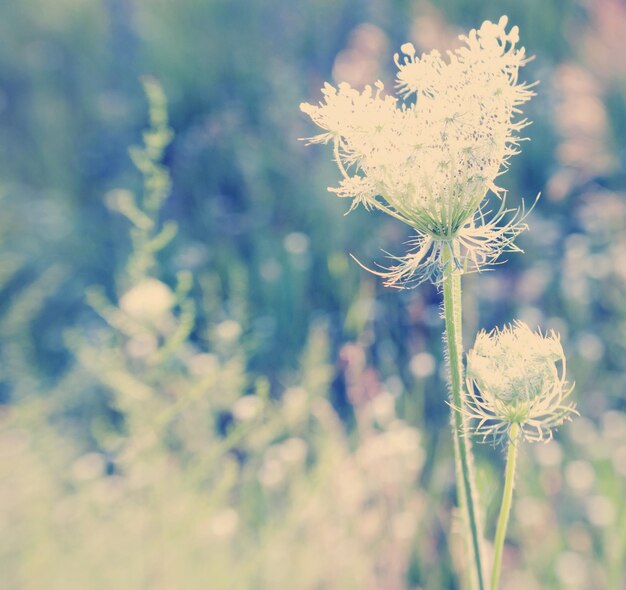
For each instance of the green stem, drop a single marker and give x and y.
(462, 449)
(505, 507)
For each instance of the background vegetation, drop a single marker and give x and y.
(198, 387)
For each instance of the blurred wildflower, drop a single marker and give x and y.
(582, 121)
(246, 407)
(513, 379)
(148, 301)
(272, 473)
(423, 365)
(228, 330)
(572, 570)
(360, 61)
(430, 28)
(431, 163)
(602, 40)
(293, 451)
(383, 407)
(619, 460)
(225, 523)
(549, 455)
(88, 467)
(600, 511)
(534, 513)
(580, 476)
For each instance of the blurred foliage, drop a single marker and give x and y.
(198, 385)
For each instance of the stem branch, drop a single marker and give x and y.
(505, 507)
(462, 450)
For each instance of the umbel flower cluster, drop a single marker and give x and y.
(431, 159)
(517, 377)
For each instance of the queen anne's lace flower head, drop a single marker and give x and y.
(517, 377)
(430, 162)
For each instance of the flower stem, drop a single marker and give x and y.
(462, 449)
(505, 507)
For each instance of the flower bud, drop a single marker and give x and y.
(517, 377)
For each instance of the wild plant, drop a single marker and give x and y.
(430, 158)
(186, 473)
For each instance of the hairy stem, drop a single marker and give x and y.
(505, 507)
(462, 448)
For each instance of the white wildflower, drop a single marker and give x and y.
(517, 376)
(431, 162)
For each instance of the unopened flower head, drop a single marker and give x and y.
(517, 376)
(430, 162)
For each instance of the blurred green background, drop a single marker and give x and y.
(199, 388)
